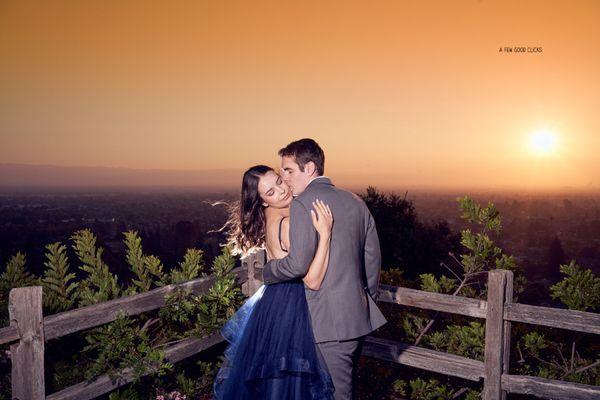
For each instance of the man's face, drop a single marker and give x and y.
(290, 172)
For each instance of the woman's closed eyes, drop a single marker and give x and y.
(271, 191)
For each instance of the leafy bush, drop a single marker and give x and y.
(59, 285)
(579, 290)
(99, 285)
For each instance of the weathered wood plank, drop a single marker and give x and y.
(432, 301)
(27, 355)
(494, 340)
(252, 264)
(8, 334)
(508, 298)
(103, 384)
(555, 317)
(548, 388)
(419, 357)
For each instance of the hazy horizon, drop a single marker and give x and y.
(32, 176)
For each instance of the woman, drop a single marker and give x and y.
(272, 354)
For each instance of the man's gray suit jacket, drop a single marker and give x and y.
(344, 307)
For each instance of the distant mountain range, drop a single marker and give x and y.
(26, 176)
(51, 175)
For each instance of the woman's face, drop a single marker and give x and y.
(273, 191)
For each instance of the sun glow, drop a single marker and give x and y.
(543, 141)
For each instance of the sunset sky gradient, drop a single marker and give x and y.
(397, 93)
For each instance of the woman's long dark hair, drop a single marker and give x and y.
(246, 224)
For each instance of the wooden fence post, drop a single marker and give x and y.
(27, 355)
(494, 335)
(508, 298)
(253, 264)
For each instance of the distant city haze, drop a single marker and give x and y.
(435, 94)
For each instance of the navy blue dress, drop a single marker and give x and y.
(272, 353)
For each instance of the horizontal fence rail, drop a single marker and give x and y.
(572, 320)
(433, 301)
(103, 384)
(549, 388)
(419, 357)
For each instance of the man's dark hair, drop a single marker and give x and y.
(303, 151)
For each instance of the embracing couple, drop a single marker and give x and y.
(299, 336)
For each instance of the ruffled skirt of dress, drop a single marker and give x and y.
(271, 353)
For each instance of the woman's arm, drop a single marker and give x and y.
(323, 222)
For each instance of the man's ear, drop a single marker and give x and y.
(310, 168)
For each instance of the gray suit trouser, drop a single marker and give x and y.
(341, 359)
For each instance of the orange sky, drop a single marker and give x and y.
(399, 92)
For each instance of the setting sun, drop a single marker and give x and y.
(543, 142)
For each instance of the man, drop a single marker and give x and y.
(343, 310)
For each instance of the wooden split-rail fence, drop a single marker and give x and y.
(29, 330)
